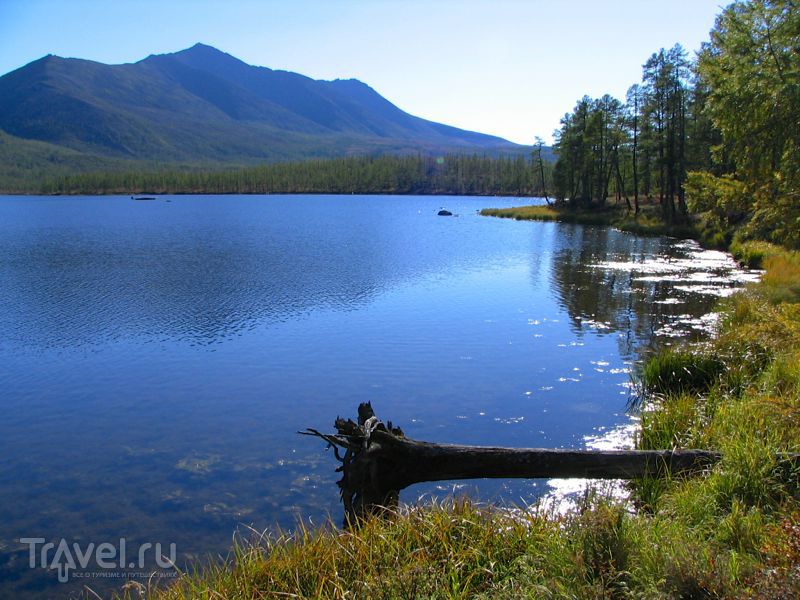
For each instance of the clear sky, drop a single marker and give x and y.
(507, 67)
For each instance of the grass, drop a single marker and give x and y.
(782, 279)
(648, 222)
(524, 213)
(731, 533)
(677, 371)
(752, 253)
(462, 550)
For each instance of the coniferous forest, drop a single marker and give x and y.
(716, 135)
(385, 174)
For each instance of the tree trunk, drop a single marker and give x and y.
(635, 166)
(541, 172)
(379, 461)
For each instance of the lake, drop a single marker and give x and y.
(159, 357)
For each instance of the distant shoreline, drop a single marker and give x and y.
(455, 174)
(314, 193)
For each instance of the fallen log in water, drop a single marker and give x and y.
(379, 461)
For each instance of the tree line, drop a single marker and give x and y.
(718, 133)
(385, 174)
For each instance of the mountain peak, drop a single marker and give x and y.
(199, 55)
(202, 104)
(203, 49)
(36, 67)
(48, 59)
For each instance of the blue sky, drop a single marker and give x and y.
(507, 67)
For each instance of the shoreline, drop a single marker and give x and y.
(732, 531)
(299, 193)
(646, 223)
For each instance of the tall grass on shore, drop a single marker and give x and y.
(733, 532)
(461, 550)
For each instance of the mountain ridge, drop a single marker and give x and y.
(202, 106)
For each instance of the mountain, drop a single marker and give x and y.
(203, 106)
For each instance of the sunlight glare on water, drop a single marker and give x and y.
(159, 358)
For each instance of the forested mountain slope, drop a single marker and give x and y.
(203, 106)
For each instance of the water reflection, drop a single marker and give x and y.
(645, 288)
(195, 283)
(646, 292)
(198, 271)
(159, 357)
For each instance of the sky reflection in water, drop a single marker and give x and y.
(158, 357)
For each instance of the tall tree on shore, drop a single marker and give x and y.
(633, 108)
(540, 164)
(609, 137)
(665, 82)
(588, 146)
(751, 67)
(572, 171)
(721, 136)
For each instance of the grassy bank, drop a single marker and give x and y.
(731, 533)
(647, 222)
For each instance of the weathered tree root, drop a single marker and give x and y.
(379, 461)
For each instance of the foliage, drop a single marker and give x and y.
(719, 136)
(752, 253)
(665, 79)
(723, 198)
(606, 146)
(388, 174)
(24, 164)
(751, 68)
(588, 145)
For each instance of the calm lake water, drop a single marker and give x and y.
(158, 358)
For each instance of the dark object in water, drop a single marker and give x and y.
(445, 213)
(143, 197)
(379, 461)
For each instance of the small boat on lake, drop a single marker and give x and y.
(143, 198)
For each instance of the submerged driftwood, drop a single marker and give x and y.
(379, 461)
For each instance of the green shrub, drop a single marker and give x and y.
(752, 253)
(680, 371)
